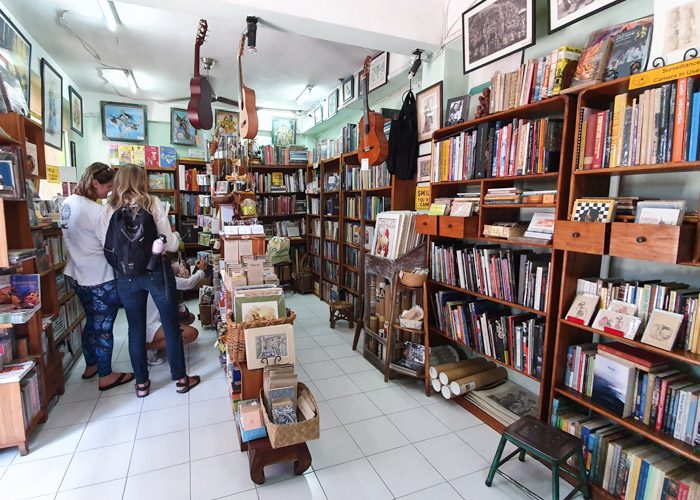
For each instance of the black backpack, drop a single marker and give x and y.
(130, 236)
(403, 140)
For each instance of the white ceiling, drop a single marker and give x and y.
(156, 41)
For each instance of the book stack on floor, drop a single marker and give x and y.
(506, 403)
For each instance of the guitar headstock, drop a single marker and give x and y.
(201, 32)
(368, 62)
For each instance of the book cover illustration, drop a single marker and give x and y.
(124, 154)
(612, 385)
(630, 49)
(26, 291)
(515, 399)
(386, 236)
(152, 156)
(138, 155)
(168, 157)
(7, 180)
(662, 329)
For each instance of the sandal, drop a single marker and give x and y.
(143, 390)
(88, 377)
(189, 384)
(123, 378)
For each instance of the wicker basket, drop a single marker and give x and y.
(299, 432)
(235, 338)
(413, 280)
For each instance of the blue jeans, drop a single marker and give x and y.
(101, 304)
(133, 292)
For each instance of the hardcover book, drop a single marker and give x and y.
(630, 49)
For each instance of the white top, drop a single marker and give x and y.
(160, 217)
(84, 237)
(153, 317)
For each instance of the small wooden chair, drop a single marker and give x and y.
(551, 445)
(341, 309)
(283, 270)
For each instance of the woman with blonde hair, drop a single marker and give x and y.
(130, 201)
(90, 275)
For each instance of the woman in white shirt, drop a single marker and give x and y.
(90, 275)
(130, 191)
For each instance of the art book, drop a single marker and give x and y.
(630, 49)
(387, 235)
(152, 154)
(26, 291)
(168, 157)
(613, 384)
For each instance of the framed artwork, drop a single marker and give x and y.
(565, 12)
(269, 345)
(429, 106)
(76, 111)
(333, 103)
(73, 155)
(226, 121)
(284, 130)
(16, 52)
(423, 168)
(181, 130)
(456, 110)
(52, 105)
(348, 87)
(493, 29)
(318, 115)
(675, 31)
(123, 122)
(378, 71)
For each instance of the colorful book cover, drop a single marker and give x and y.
(26, 291)
(168, 156)
(113, 156)
(694, 133)
(138, 155)
(630, 49)
(124, 154)
(152, 156)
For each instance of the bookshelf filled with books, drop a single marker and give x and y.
(330, 199)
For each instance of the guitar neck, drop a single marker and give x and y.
(365, 104)
(196, 61)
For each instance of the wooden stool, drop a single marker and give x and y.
(261, 453)
(551, 445)
(283, 270)
(341, 310)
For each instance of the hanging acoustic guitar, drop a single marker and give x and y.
(199, 106)
(373, 144)
(249, 116)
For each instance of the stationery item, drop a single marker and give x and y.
(613, 322)
(662, 329)
(268, 345)
(582, 308)
(622, 307)
(251, 418)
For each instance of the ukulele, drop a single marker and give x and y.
(199, 106)
(248, 117)
(373, 144)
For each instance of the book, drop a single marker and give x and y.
(541, 225)
(693, 143)
(582, 308)
(613, 381)
(630, 49)
(15, 372)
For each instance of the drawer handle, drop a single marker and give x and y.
(425, 223)
(576, 235)
(641, 239)
(449, 226)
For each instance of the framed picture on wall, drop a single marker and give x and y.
(348, 87)
(226, 121)
(333, 103)
(16, 50)
(429, 107)
(51, 105)
(493, 29)
(378, 71)
(284, 131)
(565, 12)
(123, 122)
(456, 110)
(423, 170)
(76, 111)
(73, 155)
(181, 130)
(318, 115)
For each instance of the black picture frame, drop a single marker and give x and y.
(333, 103)
(142, 131)
(318, 114)
(527, 41)
(453, 102)
(429, 101)
(375, 71)
(348, 87)
(19, 73)
(73, 94)
(52, 105)
(600, 6)
(73, 155)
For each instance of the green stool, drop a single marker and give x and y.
(549, 444)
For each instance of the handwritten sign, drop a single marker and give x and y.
(53, 174)
(423, 197)
(665, 74)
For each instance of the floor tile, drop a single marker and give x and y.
(334, 447)
(354, 364)
(20, 481)
(376, 435)
(354, 408)
(111, 490)
(353, 480)
(417, 424)
(451, 456)
(74, 413)
(330, 339)
(220, 476)
(392, 399)
(484, 440)
(116, 406)
(393, 467)
(341, 350)
(159, 452)
(304, 487)
(328, 419)
(97, 466)
(164, 396)
(210, 412)
(212, 440)
(84, 390)
(304, 343)
(172, 483)
(322, 369)
(246, 495)
(371, 380)
(7, 455)
(306, 356)
(336, 387)
(109, 431)
(442, 491)
(453, 416)
(157, 422)
(209, 389)
(48, 443)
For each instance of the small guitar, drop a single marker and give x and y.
(199, 106)
(373, 144)
(249, 116)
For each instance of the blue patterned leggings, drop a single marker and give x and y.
(101, 304)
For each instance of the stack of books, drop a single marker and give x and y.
(277, 205)
(465, 205)
(356, 178)
(506, 403)
(503, 196)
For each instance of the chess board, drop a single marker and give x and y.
(589, 210)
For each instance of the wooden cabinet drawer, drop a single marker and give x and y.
(427, 224)
(660, 243)
(584, 237)
(458, 227)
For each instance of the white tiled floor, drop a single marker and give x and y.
(377, 440)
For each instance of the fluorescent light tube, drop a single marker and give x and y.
(108, 13)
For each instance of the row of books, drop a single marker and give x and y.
(192, 204)
(31, 400)
(331, 182)
(356, 178)
(329, 291)
(374, 205)
(143, 156)
(279, 182)
(316, 264)
(353, 207)
(330, 250)
(330, 271)
(395, 234)
(352, 257)
(327, 148)
(648, 296)
(161, 180)
(277, 205)
(330, 230)
(518, 276)
(55, 249)
(315, 206)
(315, 246)
(622, 462)
(533, 81)
(192, 179)
(315, 227)
(288, 228)
(352, 233)
(281, 155)
(500, 149)
(351, 280)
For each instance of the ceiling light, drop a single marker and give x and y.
(109, 14)
(304, 94)
(251, 33)
(131, 81)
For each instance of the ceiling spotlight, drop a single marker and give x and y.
(415, 63)
(131, 81)
(251, 32)
(304, 94)
(109, 13)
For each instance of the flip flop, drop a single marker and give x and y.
(187, 386)
(124, 378)
(90, 376)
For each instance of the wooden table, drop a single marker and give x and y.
(261, 453)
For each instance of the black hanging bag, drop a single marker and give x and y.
(129, 240)
(403, 140)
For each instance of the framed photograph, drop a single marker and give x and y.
(565, 12)
(333, 103)
(662, 329)
(456, 110)
(181, 130)
(52, 105)
(348, 87)
(318, 115)
(429, 106)
(284, 130)
(16, 53)
(611, 321)
(378, 71)
(582, 308)
(269, 345)
(76, 111)
(73, 155)
(675, 30)
(123, 122)
(423, 168)
(593, 210)
(226, 122)
(493, 29)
